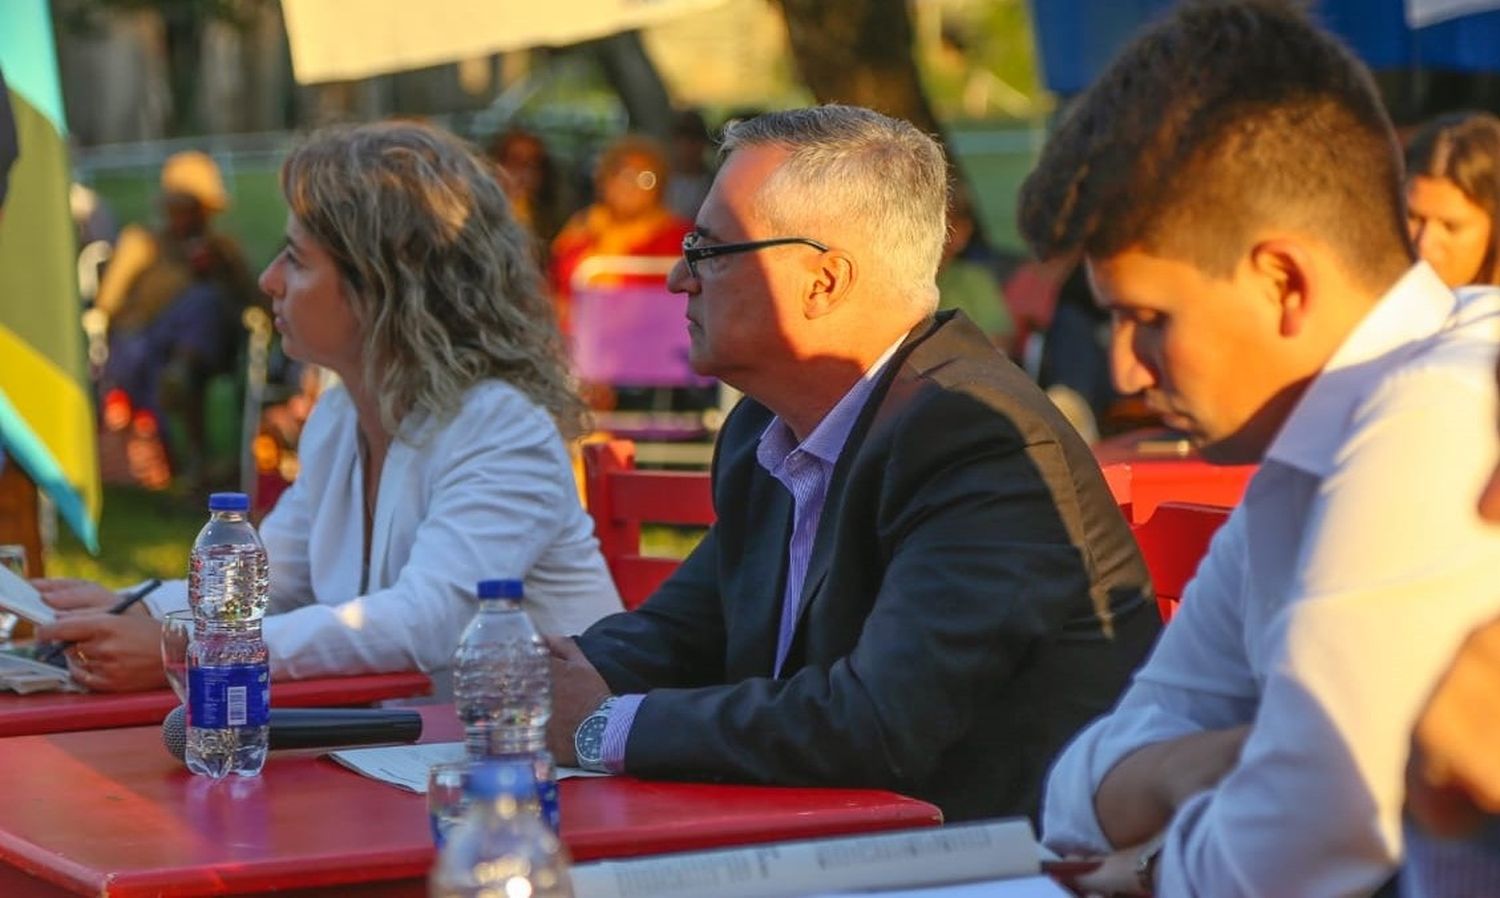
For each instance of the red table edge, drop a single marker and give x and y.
(137, 709)
(268, 876)
(344, 869)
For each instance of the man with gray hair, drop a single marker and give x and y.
(918, 580)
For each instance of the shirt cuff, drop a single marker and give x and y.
(617, 731)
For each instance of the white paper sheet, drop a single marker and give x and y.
(1029, 887)
(405, 766)
(981, 853)
(20, 597)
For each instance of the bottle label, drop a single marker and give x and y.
(551, 812)
(235, 695)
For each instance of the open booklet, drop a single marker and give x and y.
(18, 671)
(405, 766)
(1000, 857)
(20, 597)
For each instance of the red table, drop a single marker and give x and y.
(109, 813)
(58, 712)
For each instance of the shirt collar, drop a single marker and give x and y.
(1415, 308)
(777, 442)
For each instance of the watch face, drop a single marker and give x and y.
(588, 743)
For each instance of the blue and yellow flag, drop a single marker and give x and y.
(46, 417)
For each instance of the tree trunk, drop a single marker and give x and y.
(859, 52)
(635, 78)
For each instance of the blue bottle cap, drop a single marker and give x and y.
(501, 589)
(228, 502)
(492, 779)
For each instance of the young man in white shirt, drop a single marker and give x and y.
(1233, 184)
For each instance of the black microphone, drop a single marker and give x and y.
(314, 728)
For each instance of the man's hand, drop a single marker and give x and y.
(577, 690)
(1453, 777)
(1112, 876)
(110, 652)
(1138, 797)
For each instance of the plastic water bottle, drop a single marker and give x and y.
(229, 676)
(501, 847)
(502, 685)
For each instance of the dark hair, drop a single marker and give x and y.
(1224, 118)
(1464, 148)
(547, 213)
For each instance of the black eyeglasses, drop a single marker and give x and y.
(693, 253)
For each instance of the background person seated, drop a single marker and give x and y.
(1453, 195)
(173, 298)
(531, 182)
(441, 460)
(970, 285)
(628, 217)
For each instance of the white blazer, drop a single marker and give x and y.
(489, 494)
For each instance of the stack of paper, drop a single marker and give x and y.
(18, 673)
(23, 675)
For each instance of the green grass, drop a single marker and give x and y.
(256, 216)
(141, 534)
(144, 534)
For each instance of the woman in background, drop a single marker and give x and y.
(442, 458)
(529, 178)
(1453, 196)
(628, 217)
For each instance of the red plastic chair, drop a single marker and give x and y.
(1173, 541)
(620, 498)
(1149, 467)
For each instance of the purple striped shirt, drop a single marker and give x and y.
(805, 469)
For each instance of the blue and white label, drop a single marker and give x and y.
(548, 808)
(236, 695)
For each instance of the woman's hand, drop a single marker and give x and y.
(75, 595)
(110, 652)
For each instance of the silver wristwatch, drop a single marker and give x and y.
(588, 739)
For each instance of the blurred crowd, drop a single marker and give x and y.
(168, 298)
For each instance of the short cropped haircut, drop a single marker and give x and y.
(441, 276)
(861, 169)
(1464, 148)
(1226, 118)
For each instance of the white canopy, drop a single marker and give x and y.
(337, 40)
(1421, 13)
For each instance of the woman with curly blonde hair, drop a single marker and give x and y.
(441, 460)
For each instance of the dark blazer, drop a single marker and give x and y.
(974, 597)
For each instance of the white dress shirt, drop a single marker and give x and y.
(1323, 614)
(488, 494)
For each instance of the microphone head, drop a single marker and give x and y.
(174, 732)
